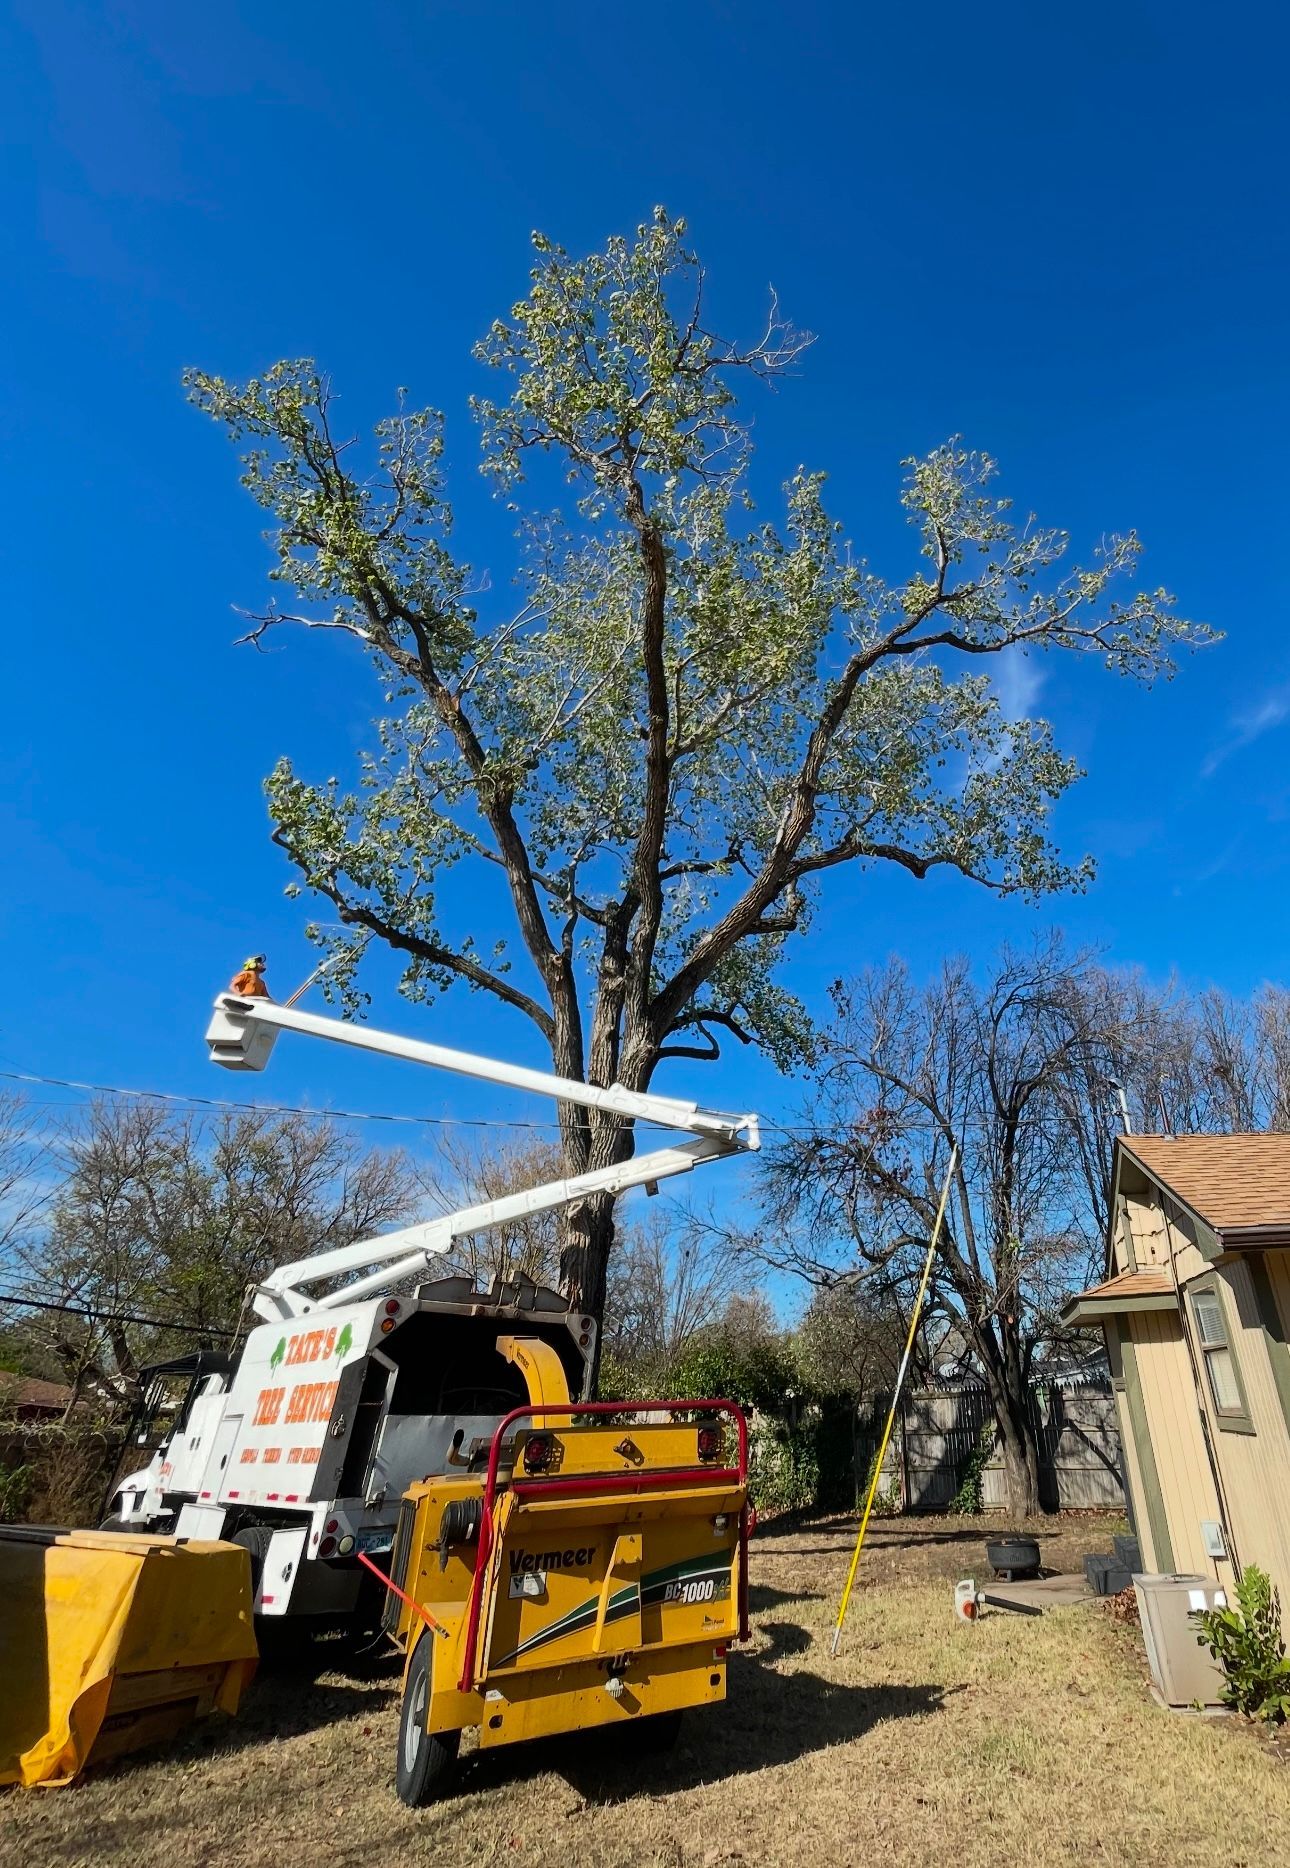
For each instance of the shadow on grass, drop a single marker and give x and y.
(762, 1596)
(300, 1691)
(769, 1718)
(291, 1694)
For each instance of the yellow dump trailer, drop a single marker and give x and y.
(585, 1566)
(112, 1642)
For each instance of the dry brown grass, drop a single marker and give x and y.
(1029, 1741)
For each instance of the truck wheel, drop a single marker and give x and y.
(255, 1540)
(426, 1759)
(281, 1639)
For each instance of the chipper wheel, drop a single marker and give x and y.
(426, 1759)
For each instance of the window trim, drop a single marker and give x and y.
(1227, 1420)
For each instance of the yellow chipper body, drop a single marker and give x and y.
(584, 1565)
(113, 1642)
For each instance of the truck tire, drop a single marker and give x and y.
(255, 1540)
(426, 1759)
(281, 1639)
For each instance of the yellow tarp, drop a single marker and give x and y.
(108, 1642)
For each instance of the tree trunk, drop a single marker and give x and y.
(594, 1139)
(1021, 1462)
(584, 1255)
(1009, 1399)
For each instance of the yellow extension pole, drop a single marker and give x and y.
(895, 1399)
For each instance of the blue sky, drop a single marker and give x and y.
(1062, 233)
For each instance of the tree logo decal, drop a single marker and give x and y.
(344, 1342)
(278, 1354)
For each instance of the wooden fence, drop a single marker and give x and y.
(932, 1445)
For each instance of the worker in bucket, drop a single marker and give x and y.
(249, 983)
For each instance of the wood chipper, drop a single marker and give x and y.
(586, 1565)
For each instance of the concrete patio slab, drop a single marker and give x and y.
(1046, 1592)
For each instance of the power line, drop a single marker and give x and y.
(316, 1115)
(978, 1120)
(113, 1316)
(270, 1109)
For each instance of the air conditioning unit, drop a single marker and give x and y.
(1184, 1672)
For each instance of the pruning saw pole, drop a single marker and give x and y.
(895, 1399)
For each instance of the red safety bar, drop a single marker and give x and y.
(608, 1482)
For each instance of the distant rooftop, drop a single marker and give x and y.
(29, 1392)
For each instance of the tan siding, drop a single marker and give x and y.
(1176, 1439)
(1182, 1259)
(1133, 1483)
(1147, 1224)
(1152, 1236)
(1255, 1467)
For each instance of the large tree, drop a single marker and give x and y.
(690, 716)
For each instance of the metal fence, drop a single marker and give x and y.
(938, 1431)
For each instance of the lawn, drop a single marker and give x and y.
(1022, 1740)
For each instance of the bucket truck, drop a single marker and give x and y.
(365, 1376)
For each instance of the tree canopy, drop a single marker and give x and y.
(690, 715)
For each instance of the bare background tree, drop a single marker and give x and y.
(669, 1283)
(465, 1171)
(850, 1336)
(1013, 1069)
(167, 1217)
(24, 1186)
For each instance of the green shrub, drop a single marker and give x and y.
(784, 1468)
(886, 1500)
(967, 1499)
(1248, 1645)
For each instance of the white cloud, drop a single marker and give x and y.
(1018, 682)
(1248, 726)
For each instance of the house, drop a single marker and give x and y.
(25, 1398)
(1195, 1310)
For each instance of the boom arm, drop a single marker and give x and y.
(241, 1036)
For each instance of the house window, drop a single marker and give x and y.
(1220, 1364)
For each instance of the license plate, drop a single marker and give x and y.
(375, 1543)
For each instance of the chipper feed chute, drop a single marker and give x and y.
(112, 1642)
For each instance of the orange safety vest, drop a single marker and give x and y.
(249, 984)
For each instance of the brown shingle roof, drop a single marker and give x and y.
(1231, 1181)
(28, 1391)
(1127, 1290)
(1132, 1284)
